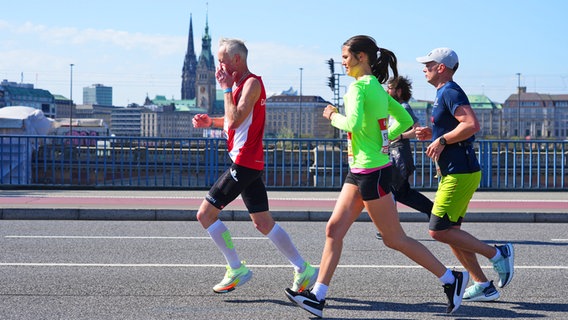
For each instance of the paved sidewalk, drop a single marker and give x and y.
(285, 205)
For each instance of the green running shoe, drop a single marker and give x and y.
(305, 280)
(233, 278)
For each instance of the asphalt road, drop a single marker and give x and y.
(166, 269)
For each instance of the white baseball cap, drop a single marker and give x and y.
(446, 56)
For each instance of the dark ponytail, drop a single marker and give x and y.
(379, 59)
(381, 66)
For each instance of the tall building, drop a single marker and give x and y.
(189, 67)
(126, 121)
(205, 74)
(198, 75)
(24, 94)
(97, 94)
(62, 106)
(536, 115)
(166, 118)
(301, 117)
(489, 115)
(166, 122)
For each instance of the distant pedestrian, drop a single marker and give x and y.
(454, 125)
(367, 185)
(243, 123)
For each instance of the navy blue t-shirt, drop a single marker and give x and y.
(457, 157)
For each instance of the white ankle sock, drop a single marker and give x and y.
(448, 277)
(320, 290)
(497, 256)
(483, 284)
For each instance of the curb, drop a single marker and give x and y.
(242, 215)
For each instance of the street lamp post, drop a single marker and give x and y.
(300, 134)
(519, 104)
(71, 98)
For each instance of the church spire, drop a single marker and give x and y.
(206, 57)
(206, 83)
(190, 36)
(189, 67)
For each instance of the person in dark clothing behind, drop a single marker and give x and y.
(400, 88)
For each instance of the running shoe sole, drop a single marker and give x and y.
(242, 280)
(485, 298)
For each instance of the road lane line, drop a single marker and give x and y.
(126, 237)
(183, 265)
(152, 237)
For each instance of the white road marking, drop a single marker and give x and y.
(183, 265)
(158, 265)
(128, 237)
(152, 237)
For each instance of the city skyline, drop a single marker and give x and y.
(139, 50)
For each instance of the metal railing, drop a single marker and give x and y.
(111, 162)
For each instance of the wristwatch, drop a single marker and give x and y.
(443, 141)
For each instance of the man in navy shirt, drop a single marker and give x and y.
(454, 125)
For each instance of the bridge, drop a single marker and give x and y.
(292, 164)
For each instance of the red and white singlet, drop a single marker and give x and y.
(245, 142)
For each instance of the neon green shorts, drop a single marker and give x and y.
(454, 193)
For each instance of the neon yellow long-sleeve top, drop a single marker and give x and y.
(367, 108)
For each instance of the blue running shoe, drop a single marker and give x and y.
(505, 266)
(479, 293)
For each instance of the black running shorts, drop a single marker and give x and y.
(372, 185)
(239, 180)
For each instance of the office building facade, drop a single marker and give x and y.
(97, 94)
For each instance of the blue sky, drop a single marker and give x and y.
(138, 47)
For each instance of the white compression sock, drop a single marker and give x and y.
(282, 241)
(222, 238)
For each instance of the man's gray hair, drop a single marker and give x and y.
(234, 46)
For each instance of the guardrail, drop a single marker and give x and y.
(111, 162)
